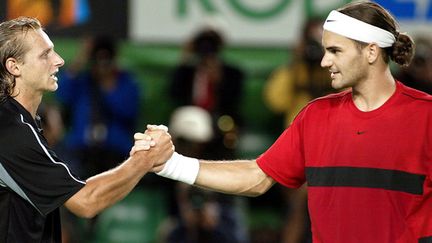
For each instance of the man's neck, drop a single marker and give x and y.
(373, 93)
(29, 102)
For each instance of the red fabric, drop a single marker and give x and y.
(204, 93)
(332, 132)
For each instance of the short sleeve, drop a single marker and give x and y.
(33, 171)
(284, 160)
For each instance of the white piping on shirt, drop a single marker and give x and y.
(47, 153)
(8, 181)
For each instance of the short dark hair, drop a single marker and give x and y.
(207, 42)
(105, 43)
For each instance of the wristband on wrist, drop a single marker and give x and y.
(181, 168)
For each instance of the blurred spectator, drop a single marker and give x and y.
(52, 123)
(418, 74)
(204, 79)
(101, 103)
(291, 86)
(53, 130)
(287, 91)
(202, 216)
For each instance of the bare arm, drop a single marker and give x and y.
(105, 189)
(241, 177)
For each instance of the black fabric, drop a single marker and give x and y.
(228, 91)
(365, 177)
(425, 240)
(21, 223)
(30, 213)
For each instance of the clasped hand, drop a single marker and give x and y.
(157, 142)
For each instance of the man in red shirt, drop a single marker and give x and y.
(365, 153)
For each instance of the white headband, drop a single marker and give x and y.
(355, 29)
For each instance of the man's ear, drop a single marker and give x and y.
(12, 66)
(373, 51)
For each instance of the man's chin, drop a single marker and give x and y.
(52, 88)
(336, 84)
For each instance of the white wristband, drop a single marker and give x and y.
(181, 168)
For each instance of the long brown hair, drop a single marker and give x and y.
(12, 45)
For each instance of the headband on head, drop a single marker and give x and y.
(355, 29)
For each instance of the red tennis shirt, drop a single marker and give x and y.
(368, 173)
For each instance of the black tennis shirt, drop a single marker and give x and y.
(34, 182)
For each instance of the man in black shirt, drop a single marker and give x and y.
(34, 182)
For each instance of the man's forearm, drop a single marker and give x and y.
(240, 177)
(105, 189)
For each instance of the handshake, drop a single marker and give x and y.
(157, 142)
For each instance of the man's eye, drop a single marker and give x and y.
(45, 54)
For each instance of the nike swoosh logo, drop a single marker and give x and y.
(330, 20)
(360, 132)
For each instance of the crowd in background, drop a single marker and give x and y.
(97, 109)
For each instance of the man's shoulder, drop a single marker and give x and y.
(331, 98)
(10, 118)
(325, 104)
(7, 112)
(232, 70)
(416, 94)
